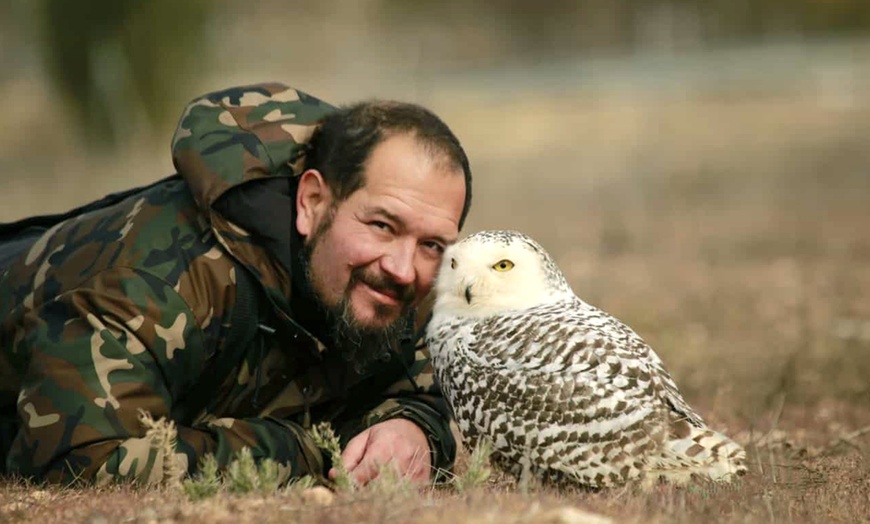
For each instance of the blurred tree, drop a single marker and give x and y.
(555, 27)
(120, 63)
(123, 64)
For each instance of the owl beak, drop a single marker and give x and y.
(468, 294)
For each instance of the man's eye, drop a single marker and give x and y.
(381, 225)
(434, 246)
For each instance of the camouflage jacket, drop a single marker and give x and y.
(124, 310)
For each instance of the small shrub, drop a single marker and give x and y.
(324, 437)
(478, 471)
(244, 475)
(207, 482)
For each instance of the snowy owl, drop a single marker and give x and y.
(563, 391)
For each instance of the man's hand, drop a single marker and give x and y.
(399, 442)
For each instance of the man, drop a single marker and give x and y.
(339, 217)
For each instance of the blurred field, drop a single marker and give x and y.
(726, 220)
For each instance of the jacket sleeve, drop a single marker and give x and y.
(121, 344)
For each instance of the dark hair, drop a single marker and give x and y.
(346, 138)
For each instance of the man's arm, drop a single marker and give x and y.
(122, 343)
(410, 421)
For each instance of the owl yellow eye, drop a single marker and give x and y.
(452, 263)
(503, 265)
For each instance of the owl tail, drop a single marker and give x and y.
(701, 452)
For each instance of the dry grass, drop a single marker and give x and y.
(783, 486)
(730, 231)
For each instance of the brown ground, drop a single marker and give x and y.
(733, 233)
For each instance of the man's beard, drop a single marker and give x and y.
(357, 343)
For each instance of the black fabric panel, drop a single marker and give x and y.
(266, 209)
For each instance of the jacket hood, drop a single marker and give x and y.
(239, 151)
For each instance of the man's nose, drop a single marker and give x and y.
(399, 263)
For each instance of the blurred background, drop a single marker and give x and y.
(700, 168)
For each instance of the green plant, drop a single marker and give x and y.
(324, 437)
(244, 475)
(478, 471)
(207, 482)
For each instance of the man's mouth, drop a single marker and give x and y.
(384, 295)
(385, 291)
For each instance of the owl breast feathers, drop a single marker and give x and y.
(562, 390)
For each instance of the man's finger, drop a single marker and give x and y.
(355, 450)
(368, 470)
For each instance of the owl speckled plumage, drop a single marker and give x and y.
(564, 391)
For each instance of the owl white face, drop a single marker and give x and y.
(495, 271)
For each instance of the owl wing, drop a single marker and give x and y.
(551, 387)
(627, 338)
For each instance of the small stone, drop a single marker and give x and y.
(318, 496)
(39, 494)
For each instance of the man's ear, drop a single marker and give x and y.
(313, 199)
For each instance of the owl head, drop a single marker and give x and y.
(495, 271)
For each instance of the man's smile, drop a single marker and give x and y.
(383, 289)
(381, 294)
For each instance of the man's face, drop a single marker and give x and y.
(376, 254)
